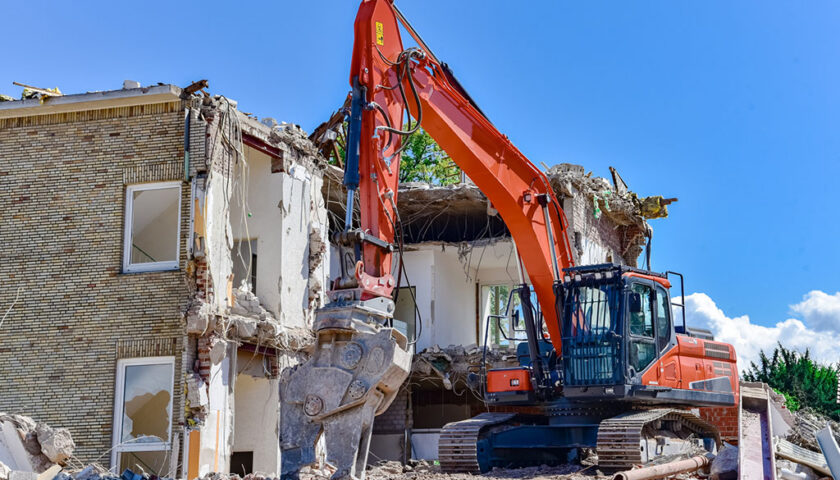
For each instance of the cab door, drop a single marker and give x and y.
(668, 368)
(641, 334)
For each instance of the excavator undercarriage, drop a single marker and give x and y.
(636, 437)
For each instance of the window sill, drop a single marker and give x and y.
(156, 270)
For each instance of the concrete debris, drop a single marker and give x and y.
(460, 360)
(4, 471)
(247, 320)
(788, 470)
(317, 250)
(26, 445)
(621, 206)
(96, 472)
(56, 443)
(807, 423)
(803, 456)
(196, 391)
(218, 350)
(424, 470)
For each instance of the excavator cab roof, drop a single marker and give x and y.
(607, 271)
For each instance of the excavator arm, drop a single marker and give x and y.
(395, 80)
(358, 362)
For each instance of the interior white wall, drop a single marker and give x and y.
(214, 453)
(445, 279)
(279, 213)
(256, 415)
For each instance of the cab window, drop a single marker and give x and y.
(641, 323)
(663, 318)
(642, 343)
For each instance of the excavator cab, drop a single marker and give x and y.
(616, 321)
(620, 343)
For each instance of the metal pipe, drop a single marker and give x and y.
(550, 235)
(348, 215)
(664, 470)
(187, 115)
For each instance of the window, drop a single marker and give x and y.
(245, 264)
(641, 323)
(152, 223)
(143, 415)
(663, 319)
(642, 347)
(405, 313)
(501, 329)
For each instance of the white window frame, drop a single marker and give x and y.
(119, 405)
(129, 267)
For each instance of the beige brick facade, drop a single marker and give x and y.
(63, 180)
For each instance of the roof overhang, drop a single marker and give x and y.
(90, 101)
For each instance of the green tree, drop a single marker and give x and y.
(803, 382)
(422, 160)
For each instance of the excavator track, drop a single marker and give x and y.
(619, 438)
(458, 444)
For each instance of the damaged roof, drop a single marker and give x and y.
(461, 212)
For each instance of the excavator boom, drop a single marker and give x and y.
(516, 188)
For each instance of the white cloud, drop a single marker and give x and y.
(749, 339)
(820, 310)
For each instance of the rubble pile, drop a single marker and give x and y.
(611, 199)
(454, 363)
(806, 424)
(30, 446)
(247, 320)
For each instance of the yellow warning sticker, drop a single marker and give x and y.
(380, 34)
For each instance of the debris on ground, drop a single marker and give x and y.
(454, 363)
(30, 446)
(807, 423)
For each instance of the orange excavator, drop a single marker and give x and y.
(603, 364)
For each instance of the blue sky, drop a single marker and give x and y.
(732, 107)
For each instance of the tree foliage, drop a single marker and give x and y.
(803, 382)
(422, 160)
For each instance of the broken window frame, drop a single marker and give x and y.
(119, 408)
(128, 266)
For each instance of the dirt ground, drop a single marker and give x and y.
(427, 471)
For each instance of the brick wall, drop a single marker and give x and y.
(63, 183)
(725, 419)
(398, 416)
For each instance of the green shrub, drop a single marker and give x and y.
(803, 382)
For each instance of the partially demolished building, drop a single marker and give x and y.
(460, 270)
(163, 254)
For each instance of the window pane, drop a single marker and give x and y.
(641, 354)
(641, 323)
(154, 225)
(405, 312)
(147, 409)
(663, 320)
(156, 463)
